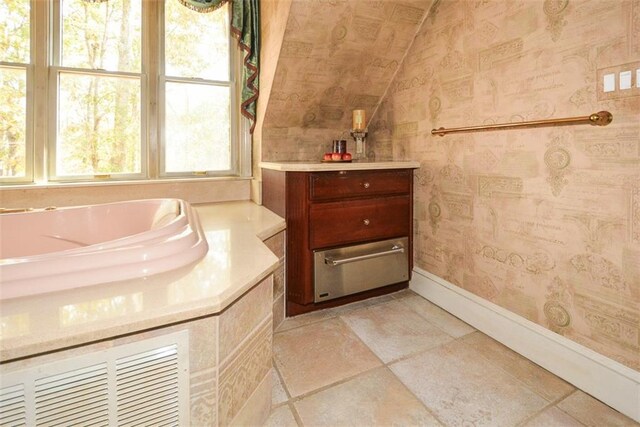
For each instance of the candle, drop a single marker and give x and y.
(358, 120)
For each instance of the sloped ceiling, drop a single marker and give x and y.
(336, 56)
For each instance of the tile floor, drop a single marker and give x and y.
(400, 360)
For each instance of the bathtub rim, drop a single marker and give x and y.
(85, 266)
(249, 225)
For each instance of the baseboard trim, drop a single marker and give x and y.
(609, 381)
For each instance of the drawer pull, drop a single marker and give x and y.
(366, 222)
(396, 249)
(366, 185)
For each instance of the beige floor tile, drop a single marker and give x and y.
(592, 412)
(552, 417)
(439, 317)
(393, 331)
(305, 319)
(329, 313)
(278, 394)
(375, 398)
(403, 294)
(462, 388)
(377, 300)
(320, 354)
(281, 417)
(533, 376)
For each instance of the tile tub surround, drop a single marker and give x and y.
(230, 365)
(276, 244)
(237, 260)
(467, 379)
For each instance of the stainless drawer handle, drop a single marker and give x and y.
(366, 185)
(366, 222)
(396, 249)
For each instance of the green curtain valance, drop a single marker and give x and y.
(245, 25)
(203, 6)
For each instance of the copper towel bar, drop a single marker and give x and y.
(601, 118)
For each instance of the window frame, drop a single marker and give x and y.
(234, 106)
(54, 84)
(42, 103)
(29, 172)
(56, 68)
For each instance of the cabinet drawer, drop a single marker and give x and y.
(338, 223)
(336, 185)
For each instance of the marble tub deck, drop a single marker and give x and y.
(400, 360)
(237, 260)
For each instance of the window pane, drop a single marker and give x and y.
(14, 31)
(101, 35)
(13, 119)
(197, 134)
(98, 125)
(196, 44)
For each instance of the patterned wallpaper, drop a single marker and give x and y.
(273, 22)
(543, 222)
(336, 56)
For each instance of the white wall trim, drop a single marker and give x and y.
(609, 381)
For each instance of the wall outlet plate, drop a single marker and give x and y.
(618, 92)
(609, 82)
(625, 80)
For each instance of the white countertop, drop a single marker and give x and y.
(337, 166)
(236, 261)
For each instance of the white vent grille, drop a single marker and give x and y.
(76, 397)
(144, 383)
(147, 385)
(13, 410)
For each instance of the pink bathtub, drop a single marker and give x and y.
(44, 251)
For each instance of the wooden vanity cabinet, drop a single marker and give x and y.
(331, 209)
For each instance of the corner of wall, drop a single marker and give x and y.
(256, 191)
(604, 378)
(273, 23)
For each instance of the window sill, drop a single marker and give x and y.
(193, 190)
(72, 184)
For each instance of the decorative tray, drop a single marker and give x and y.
(336, 161)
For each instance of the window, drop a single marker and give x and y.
(197, 90)
(129, 89)
(15, 60)
(97, 89)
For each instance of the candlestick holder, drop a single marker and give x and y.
(359, 136)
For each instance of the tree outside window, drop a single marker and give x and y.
(99, 98)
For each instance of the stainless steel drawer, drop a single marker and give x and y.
(352, 269)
